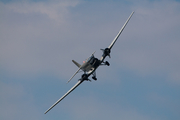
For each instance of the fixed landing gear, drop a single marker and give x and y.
(107, 63)
(94, 78)
(85, 77)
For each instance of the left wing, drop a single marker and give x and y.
(115, 39)
(108, 50)
(76, 85)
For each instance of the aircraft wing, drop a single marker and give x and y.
(76, 85)
(115, 39)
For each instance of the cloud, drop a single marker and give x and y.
(55, 10)
(39, 39)
(30, 32)
(35, 35)
(153, 43)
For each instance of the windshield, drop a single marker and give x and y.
(90, 58)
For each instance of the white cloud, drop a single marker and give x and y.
(56, 10)
(31, 31)
(42, 36)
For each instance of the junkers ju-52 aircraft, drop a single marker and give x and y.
(91, 64)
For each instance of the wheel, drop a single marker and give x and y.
(94, 78)
(107, 63)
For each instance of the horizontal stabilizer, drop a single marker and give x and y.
(77, 64)
(74, 75)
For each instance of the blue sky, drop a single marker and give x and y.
(38, 40)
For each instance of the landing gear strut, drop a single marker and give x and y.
(94, 76)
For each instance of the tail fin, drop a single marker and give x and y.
(77, 64)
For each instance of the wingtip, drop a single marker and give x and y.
(45, 112)
(132, 13)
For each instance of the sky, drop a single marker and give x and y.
(40, 38)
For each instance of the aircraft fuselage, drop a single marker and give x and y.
(90, 65)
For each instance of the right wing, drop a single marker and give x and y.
(76, 85)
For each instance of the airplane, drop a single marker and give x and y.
(90, 65)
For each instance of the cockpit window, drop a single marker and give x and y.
(90, 58)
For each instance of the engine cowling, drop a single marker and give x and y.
(106, 52)
(84, 77)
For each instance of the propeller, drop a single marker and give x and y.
(106, 52)
(85, 77)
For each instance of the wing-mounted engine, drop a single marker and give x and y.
(106, 52)
(84, 77)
